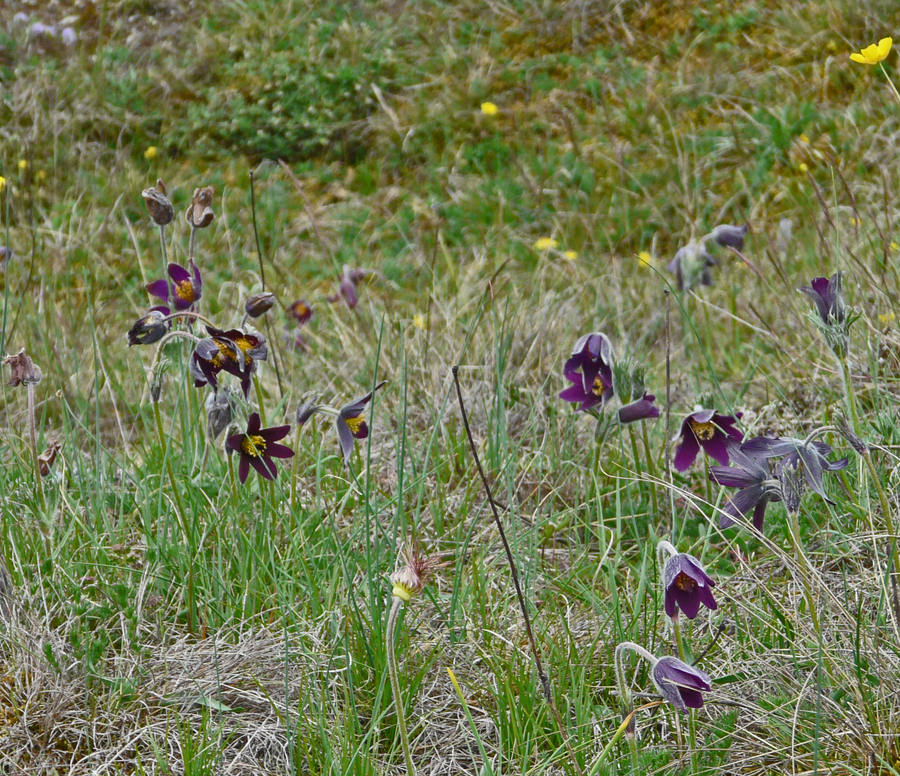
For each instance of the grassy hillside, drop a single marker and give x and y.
(492, 181)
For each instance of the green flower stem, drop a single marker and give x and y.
(850, 395)
(259, 400)
(162, 245)
(396, 606)
(179, 507)
(32, 427)
(890, 82)
(679, 641)
(805, 576)
(294, 466)
(637, 457)
(651, 467)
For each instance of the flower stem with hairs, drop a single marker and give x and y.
(396, 607)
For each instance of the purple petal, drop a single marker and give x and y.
(732, 477)
(345, 438)
(716, 447)
(264, 467)
(159, 289)
(688, 602)
(687, 451)
(275, 433)
(244, 468)
(178, 273)
(253, 424)
(279, 451)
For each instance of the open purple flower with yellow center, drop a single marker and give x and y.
(301, 311)
(351, 424)
(183, 288)
(151, 328)
(709, 431)
(687, 585)
(233, 351)
(589, 369)
(258, 447)
(680, 684)
(749, 472)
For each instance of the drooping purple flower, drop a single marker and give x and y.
(828, 298)
(151, 328)
(350, 423)
(709, 430)
(794, 451)
(691, 266)
(687, 586)
(750, 473)
(729, 236)
(257, 447)
(641, 409)
(184, 288)
(589, 369)
(680, 684)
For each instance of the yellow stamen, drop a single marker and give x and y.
(254, 446)
(225, 354)
(684, 582)
(185, 290)
(598, 388)
(400, 591)
(354, 423)
(703, 431)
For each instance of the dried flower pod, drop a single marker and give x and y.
(846, 430)
(259, 304)
(160, 208)
(23, 371)
(48, 458)
(200, 214)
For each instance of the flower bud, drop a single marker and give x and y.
(259, 304)
(149, 329)
(219, 412)
(22, 370)
(158, 204)
(729, 236)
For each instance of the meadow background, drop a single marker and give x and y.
(251, 639)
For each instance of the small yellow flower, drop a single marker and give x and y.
(803, 167)
(570, 255)
(887, 318)
(804, 138)
(150, 153)
(895, 246)
(489, 109)
(41, 175)
(646, 259)
(23, 165)
(419, 322)
(2, 183)
(545, 243)
(872, 55)
(855, 221)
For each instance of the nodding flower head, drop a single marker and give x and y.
(687, 585)
(414, 569)
(151, 328)
(589, 369)
(23, 371)
(691, 266)
(160, 208)
(729, 236)
(350, 423)
(680, 684)
(259, 304)
(749, 471)
(219, 411)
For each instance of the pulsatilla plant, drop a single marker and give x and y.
(709, 431)
(692, 262)
(258, 447)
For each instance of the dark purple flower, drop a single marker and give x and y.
(827, 297)
(589, 369)
(750, 473)
(709, 430)
(151, 328)
(729, 236)
(812, 454)
(183, 289)
(233, 351)
(350, 423)
(680, 684)
(348, 292)
(687, 586)
(639, 410)
(301, 311)
(258, 447)
(259, 304)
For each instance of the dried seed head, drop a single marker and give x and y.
(23, 370)
(158, 204)
(200, 214)
(48, 458)
(415, 569)
(259, 304)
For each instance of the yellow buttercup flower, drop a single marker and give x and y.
(895, 246)
(872, 55)
(646, 259)
(570, 255)
(803, 167)
(2, 183)
(418, 321)
(23, 165)
(489, 109)
(150, 153)
(545, 243)
(887, 318)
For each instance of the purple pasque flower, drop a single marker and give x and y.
(233, 351)
(350, 423)
(828, 298)
(691, 266)
(729, 236)
(680, 684)
(749, 472)
(151, 328)
(258, 447)
(184, 288)
(709, 430)
(589, 369)
(794, 451)
(687, 585)
(641, 409)
(301, 311)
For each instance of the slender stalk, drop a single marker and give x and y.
(294, 467)
(165, 255)
(679, 641)
(625, 697)
(396, 606)
(889, 523)
(849, 395)
(259, 400)
(651, 467)
(890, 82)
(545, 681)
(192, 244)
(805, 575)
(32, 426)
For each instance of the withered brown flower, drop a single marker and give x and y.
(199, 213)
(159, 206)
(23, 371)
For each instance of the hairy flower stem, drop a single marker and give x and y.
(651, 467)
(806, 573)
(894, 561)
(625, 698)
(849, 395)
(179, 507)
(32, 427)
(192, 244)
(294, 467)
(545, 681)
(165, 255)
(396, 606)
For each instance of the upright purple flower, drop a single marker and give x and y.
(687, 585)
(680, 684)
(828, 298)
(589, 369)
(709, 430)
(351, 424)
(257, 447)
(750, 473)
(184, 289)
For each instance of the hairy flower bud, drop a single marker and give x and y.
(729, 236)
(158, 204)
(219, 412)
(259, 304)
